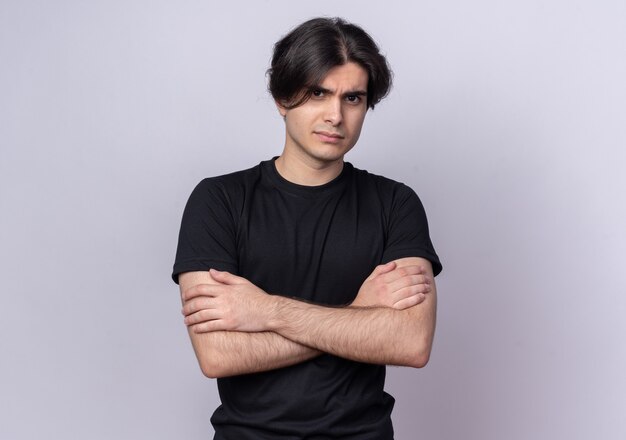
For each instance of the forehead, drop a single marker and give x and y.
(349, 76)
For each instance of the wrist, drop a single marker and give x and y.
(273, 316)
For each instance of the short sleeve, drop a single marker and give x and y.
(408, 234)
(207, 237)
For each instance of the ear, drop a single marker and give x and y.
(281, 109)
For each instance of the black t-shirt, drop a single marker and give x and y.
(318, 244)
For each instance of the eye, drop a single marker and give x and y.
(317, 93)
(354, 99)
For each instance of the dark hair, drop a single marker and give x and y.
(303, 57)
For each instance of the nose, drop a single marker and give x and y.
(333, 112)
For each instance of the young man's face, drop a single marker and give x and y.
(328, 124)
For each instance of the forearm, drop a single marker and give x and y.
(271, 331)
(377, 335)
(229, 353)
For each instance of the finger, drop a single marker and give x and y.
(414, 269)
(408, 281)
(420, 288)
(200, 290)
(411, 301)
(201, 316)
(209, 326)
(189, 293)
(226, 277)
(408, 292)
(196, 304)
(401, 272)
(382, 269)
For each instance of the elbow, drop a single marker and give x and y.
(421, 359)
(211, 374)
(421, 345)
(210, 359)
(211, 369)
(420, 355)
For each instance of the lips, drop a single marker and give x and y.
(329, 136)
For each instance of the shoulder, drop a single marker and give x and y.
(396, 199)
(229, 185)
(386, 187)
(223, 193)
(232, 180)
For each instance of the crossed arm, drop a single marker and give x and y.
(237, 328)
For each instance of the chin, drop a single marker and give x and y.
(329, 158)
(331, 154)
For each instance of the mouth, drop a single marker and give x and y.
(329, 136)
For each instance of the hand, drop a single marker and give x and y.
(395, 287)
(234, 304)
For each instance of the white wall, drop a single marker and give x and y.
(508, 118)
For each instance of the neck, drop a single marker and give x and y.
(307, 173)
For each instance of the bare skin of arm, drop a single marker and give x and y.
(226, 316)
(228, 353)
(380, 335)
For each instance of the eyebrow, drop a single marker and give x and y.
(332, 92)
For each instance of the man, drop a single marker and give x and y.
(302, 277)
